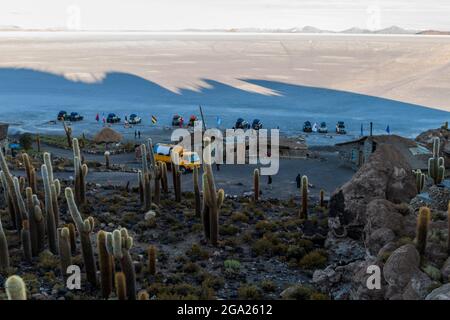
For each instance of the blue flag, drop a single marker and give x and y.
(388, 130)
(219, 121)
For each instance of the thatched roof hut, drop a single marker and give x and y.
(107, 135)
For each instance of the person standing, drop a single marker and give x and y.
(139, 134)
(135, 134)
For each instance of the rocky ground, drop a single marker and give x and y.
(265, 250)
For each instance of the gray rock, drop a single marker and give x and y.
(445, 271)
(418, 287)
(441, 293)
(149, 215)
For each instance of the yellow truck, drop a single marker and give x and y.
(188, 159)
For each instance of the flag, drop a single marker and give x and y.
(154, 120)
(388, 130)
(219, 121)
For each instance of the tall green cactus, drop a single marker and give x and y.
(164, 181)
(436, 167)
(23, 214)
(423, 221)
(4, 252)
(8, 182)
(8, 199)
(30, 172)
(32, 221)
(256, 185)
(121, 285)
(304, 188)
(420, 180)
(213, 199)
(157, 179)
(120, 243)
(85, 228)
(80, 173)
(15, 288)
(176, 175)
(106, 267)
(197, 196)
(65, 254)
(26, 241)
(40, 228)
(49, 213)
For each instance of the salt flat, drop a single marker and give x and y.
(413, 69)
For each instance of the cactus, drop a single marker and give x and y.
(322, 202)
(143, 295)
(448, 227)
(145, 179)
(176, 175)
(15, 288)
(164, 183)
(256, 185)
(23, 214)
(197, 197)
(152, 260)
(158, 180)
(121, 286)
(304, 188)
(141, 186)
(26, 241)
(8, 185)
(8, 199)
(106, 267)
(80, 173)
(213, 199)
(4, 252)
(420, 180)
(119, 245)
(73, 237)
(49, 214)
(65, 254)
(38, 143)
(68, 131)
(84, 230)
(32, 221)
(423, 221)
(40, 228)
(436, 168)
(30, 172)
(107, 159)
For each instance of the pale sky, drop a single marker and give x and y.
(224, 14)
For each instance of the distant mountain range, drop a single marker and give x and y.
(304, 30)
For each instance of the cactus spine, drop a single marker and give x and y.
(121, 286)
(152, 260)
(213, 199)
(4, 252)
(197, 197)
(256, 185)
(304, 209)
(423, 221)
(15, 288)
(65, 254)
(420, 180)
(436, 168)
(106, 267)
(107, 159)
(80, 172)
(84, 230)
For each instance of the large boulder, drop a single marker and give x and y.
(441, 293)
(386, 175)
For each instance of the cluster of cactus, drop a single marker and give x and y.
(256, 190)
(30, 172)
(80, 173)
(420, 180)
(118, 244)
(423, 222)
(304, 190)
(84, 228)
(436, 168)
(10, 193)
(212, 199)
